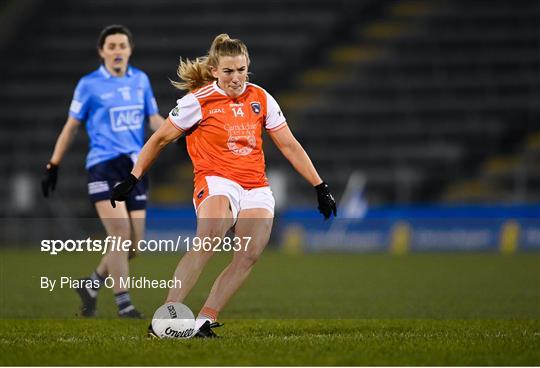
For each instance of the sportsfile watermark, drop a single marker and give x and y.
(114, 243)
(310, 269)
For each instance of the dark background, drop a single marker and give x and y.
(432, 102)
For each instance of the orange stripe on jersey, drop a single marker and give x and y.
(227, 141)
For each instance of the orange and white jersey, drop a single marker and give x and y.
(224, 134)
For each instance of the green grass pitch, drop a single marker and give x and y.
(317, 309)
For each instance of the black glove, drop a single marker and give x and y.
(121, 190)
(48, 182)
(327, 204)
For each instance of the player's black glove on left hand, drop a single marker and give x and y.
(327, 204)
(121, 191)
(48, 182)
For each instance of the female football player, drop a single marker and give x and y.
(114, 101)
(223, 117)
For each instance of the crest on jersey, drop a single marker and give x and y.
(125, 92)
(256, 107)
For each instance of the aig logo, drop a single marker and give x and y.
(126, 117)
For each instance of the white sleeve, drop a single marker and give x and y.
(274, 117)
(187, 112)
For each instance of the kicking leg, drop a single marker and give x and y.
(255, 223)
(214, 218)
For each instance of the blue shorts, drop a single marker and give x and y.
(104, 176)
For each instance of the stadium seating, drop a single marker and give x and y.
(431, 100)
(419, 98)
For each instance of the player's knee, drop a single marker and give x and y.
(246, 260)
(216, 228)
(120, 229)
(198, 258)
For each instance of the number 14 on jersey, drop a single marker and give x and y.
(237, 112)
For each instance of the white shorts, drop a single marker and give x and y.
(239, 198)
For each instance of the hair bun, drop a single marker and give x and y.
(221, 38)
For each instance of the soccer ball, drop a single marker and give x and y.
(173, 321)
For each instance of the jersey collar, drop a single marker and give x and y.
(107, 75)
(218, 89)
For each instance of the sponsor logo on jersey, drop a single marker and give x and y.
(256, 107)
(126, 117)
(242, 140)
(217, 111)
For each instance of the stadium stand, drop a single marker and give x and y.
(422, 98)
(431, 100)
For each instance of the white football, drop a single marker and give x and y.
(173, 321)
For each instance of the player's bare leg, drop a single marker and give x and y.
(253, 223)
(137, 219)
(115, 263)
(116, 222)
(214, 218)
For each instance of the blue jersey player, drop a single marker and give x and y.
(113, 102)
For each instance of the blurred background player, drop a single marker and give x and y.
(114, 101)
(223, 117)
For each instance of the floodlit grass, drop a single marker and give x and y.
(320, 309)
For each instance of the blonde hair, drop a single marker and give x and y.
(196, 73)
